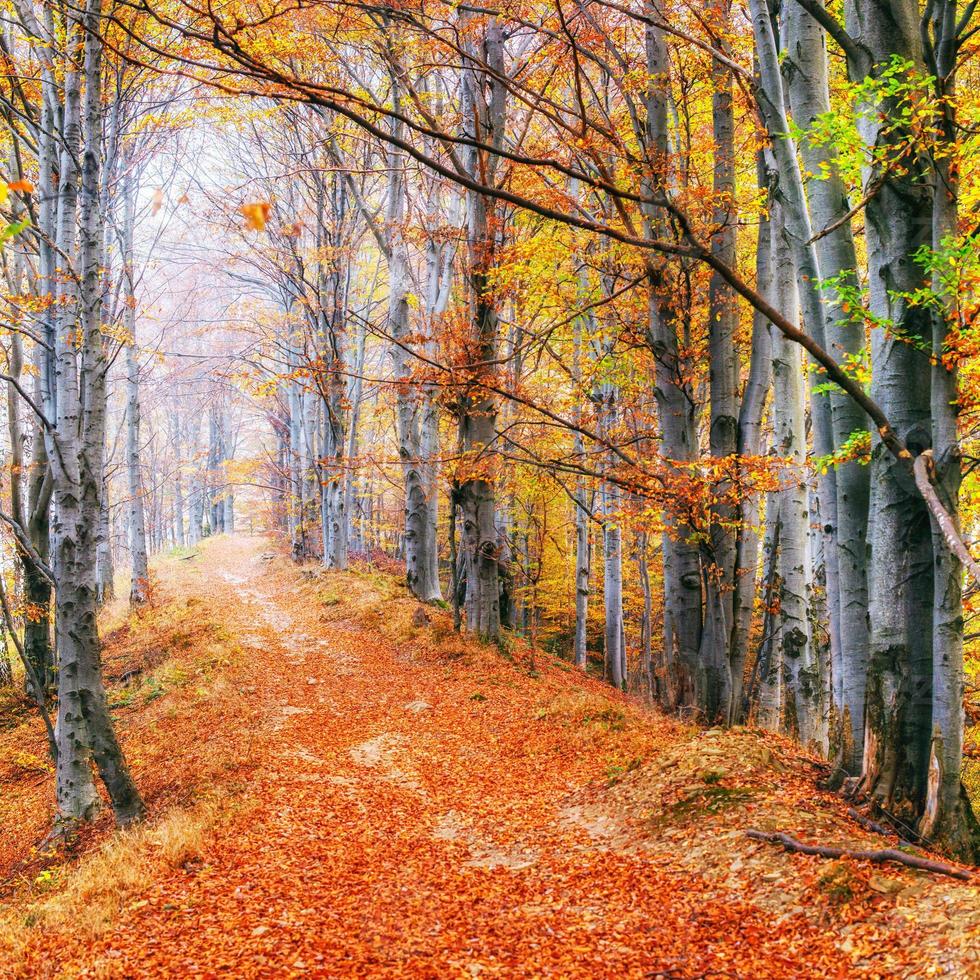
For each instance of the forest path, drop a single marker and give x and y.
(408, 815)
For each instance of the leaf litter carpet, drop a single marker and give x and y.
(417, 806)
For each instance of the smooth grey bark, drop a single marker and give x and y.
(413, 403)
(802, 711)
(646, 618)
(947, 811)
(139, 562)
(583, 540)
(719, 567)
(6, 667)
(788, 189)
(676, 412)
(350, 501)
(228, 440)
(333, 287)
(483, 117)
(440, 262)
(750, 417)
(105, 571)
(216, 458)
(298, 532)
(612, 556)
(612, 538)
(768, 668)
(30, 500)
(805, 68)
(29, 478)
(76, 439)
(76, 794)
(176, 439)
(898, 222)
(606, 401)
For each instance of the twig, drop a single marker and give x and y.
(873, 189)
(875, 827)
(924, 471)
(878, 857)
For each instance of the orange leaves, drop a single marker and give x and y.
(429, 808)
(22, 187)
(256, 214)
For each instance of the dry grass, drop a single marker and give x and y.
(86, 897)
(171, 669)
(583, 707)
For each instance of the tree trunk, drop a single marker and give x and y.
(675, 414)
(805, 68)
(948, 816)
(719, 573)
(898, 222)
(583, 324)
(749, 444)
(801, 702)
(612, 554)
(105, 573)
(483, 119)
(140, 572)
(85, 730)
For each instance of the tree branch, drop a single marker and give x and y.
(924, 470)
(878, 857)
(856, 54)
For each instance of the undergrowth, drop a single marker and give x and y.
(87, 896)
(171, 667)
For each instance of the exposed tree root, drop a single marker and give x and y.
(875, 827)
(879, 857)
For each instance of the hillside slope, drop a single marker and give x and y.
(340, 786)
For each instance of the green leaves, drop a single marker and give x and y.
(857, 447)
(16, 227)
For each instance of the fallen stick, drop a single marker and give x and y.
(879, 857)
(876, 827)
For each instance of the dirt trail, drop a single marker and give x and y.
(415, 815)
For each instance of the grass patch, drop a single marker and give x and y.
(616, 772)
(88, 896)
(698, 801)
(585, 708)
(838, 884)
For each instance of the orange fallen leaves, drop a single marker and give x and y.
(398, 826)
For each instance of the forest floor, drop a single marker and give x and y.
(340, 786)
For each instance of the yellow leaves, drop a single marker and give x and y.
(256, 214)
